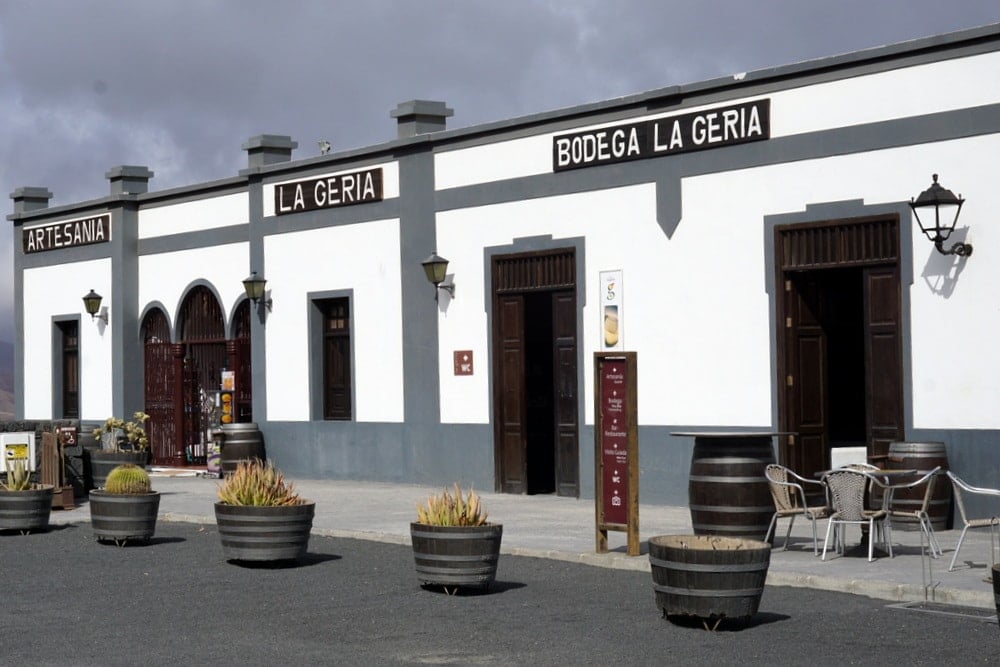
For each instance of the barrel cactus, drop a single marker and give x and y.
(128, 478)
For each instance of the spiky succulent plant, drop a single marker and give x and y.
(127, 478)
(257, 483)
(446, 509)
(18, 476)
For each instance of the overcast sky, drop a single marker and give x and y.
(179, 85)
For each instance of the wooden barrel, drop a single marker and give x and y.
(242, 442)
(456, 556)
(123, 517)
(727, 491)
(708, 576)
(251, 533)
(103, 462)
(922, 457)
(26, 510)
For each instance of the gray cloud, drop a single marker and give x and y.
(179, 86)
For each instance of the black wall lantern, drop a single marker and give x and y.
(436, 270)
(944, 202)
(92, 304)
(254, 287)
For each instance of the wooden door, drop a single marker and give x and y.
(806, 376)
(883, 358)
(511, 450)
(162, 366)
(565, 385)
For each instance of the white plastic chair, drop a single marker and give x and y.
(788, 493)
(961, 487)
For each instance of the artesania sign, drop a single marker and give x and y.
(68, 234)
(701, 130)
(357, 187)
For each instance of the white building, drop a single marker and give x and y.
(769, 273)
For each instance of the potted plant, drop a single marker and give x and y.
(126, 508)
(454, 544)
(121, 442)
(24, 505)
(260, 516)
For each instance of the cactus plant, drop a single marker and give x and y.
(446, 509)
(258, 484)
(128, 479)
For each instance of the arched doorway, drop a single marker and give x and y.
(162, 368)
(202, 332)
(239, 361)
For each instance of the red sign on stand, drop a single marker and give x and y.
(616, 445)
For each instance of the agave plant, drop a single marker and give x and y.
(259, 484)
(18, 476)
(128, 479)
(456, 509)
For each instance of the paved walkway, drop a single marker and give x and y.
(564, 529)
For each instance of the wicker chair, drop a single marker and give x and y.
(920, 513)
(846, 489)
(960, 487)
(788, 493)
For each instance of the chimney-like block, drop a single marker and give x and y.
(419, 117)
(129, 180)
(266, 149)
(30, 199)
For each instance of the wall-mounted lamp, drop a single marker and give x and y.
(92, 304)
(944, 202)
(436, 270)
(254, 287)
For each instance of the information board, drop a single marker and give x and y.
(616, 456)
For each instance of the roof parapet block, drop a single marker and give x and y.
(420, 117)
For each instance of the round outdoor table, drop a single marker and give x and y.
(727, 491)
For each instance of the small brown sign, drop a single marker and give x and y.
(71, 234)
(463, 362)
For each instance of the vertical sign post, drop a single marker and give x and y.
(616, 448)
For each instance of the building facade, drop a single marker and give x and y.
(750, 238)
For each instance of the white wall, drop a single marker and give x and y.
(362, 257)
(972, 81)
(696, 309)
(55, 291)
(164, 277)
(193, 216)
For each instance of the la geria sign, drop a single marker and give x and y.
(356, 187)
(700, 130)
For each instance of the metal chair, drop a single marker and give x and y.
(961, 486)
(788, 493)
(846, 490)
(920, 513)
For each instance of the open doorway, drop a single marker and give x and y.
(536, 448)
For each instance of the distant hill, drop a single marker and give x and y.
(6, 380)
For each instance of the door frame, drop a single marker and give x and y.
(534, 248)
(832, 241)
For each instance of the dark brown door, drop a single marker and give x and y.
(536, 403)
(162, 371)
(840, 353)
(511, 458)
(805, 381)
(884, 380)
(564, 358)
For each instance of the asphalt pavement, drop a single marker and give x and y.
(563, 529)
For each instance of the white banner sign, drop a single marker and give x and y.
(612, 320)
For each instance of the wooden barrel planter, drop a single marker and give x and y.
(727, 491)
(456, 556)
(241, 442)
(708, 577)
(102, 462)
(26, 511)
(122, 517)
(922, 457)
(251, 533)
